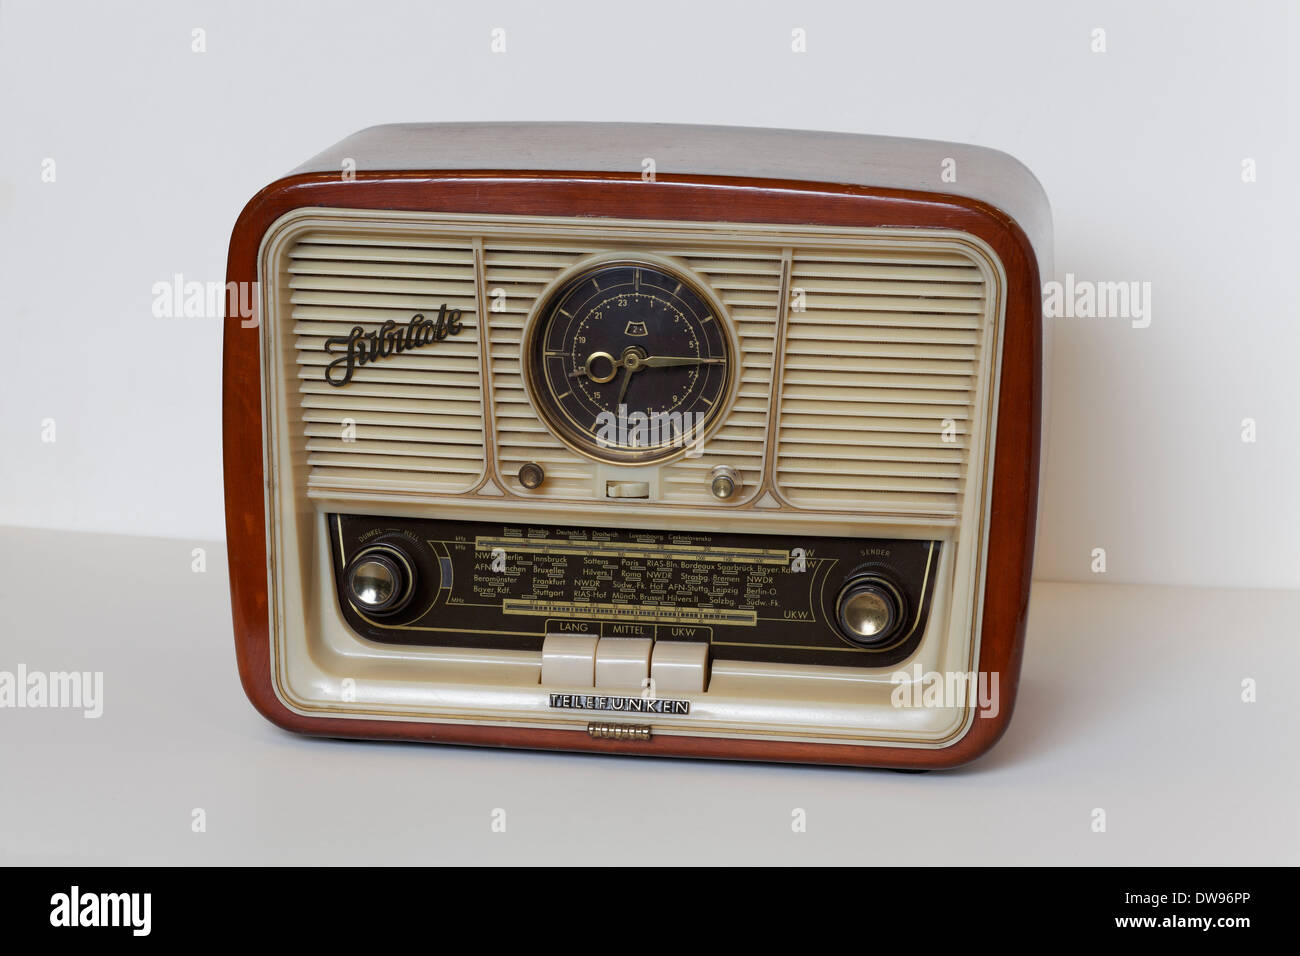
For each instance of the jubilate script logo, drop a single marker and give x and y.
(389, 339)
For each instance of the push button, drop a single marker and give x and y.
(623, 661)
(569, 660)
(680, 666)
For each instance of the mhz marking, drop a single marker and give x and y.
(565, 395)
(595, 284)
(678, 289)
(565, 314)
(705, 401)
(636, 280)
(552, 353)
(707, 318)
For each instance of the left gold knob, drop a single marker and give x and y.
(380, 580)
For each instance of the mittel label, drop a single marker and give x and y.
(627, 705)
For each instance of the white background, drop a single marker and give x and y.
(1131, 696)
(1140, 150)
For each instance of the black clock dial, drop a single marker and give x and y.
(628, 362)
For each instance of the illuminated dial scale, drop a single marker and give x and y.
(628, 362)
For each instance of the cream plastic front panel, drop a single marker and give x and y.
(865, 407)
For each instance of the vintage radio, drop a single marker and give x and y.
(654, 439)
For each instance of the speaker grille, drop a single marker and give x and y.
(880, 365)
(881, 361)
(416, 418)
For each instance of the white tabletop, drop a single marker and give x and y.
(1130, 702)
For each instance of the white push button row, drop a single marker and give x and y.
(583, 660)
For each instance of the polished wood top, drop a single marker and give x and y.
(845, 159)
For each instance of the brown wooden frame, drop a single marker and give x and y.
(625, 196)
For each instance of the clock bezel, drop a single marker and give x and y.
(545, 405)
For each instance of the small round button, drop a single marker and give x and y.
(869, 610)
(724, 482)
(380, 580)
(531, 475)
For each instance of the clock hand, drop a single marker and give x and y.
(622, 392)
(666, 361)
(633, 362)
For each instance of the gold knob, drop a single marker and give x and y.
(531, 475)
(869, 609)
(724, 482)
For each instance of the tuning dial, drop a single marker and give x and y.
(380, 580)
(870, 610)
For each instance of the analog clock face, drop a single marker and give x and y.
(628, 362)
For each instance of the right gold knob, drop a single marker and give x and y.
(869, 610)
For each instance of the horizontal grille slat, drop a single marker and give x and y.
(839, 379)
(419, 464)
(373, 314)
(424, 399)
(850, 394)
(812, 271)
(415, 300)
(886, 447)
(345, 249)
(867, 412)
(454, 429)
